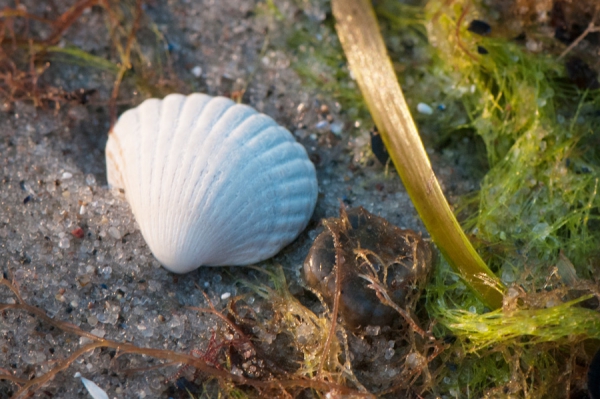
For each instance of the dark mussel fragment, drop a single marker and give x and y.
(360, 243)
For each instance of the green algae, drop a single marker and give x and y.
(534, 218)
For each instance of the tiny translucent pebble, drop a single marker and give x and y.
(64, 243)
(67, 175)
(114, 233)
(90, 180)
(412, 360)
(322, 125)
(98, 332)
(225, 295)
(336, 128)
(373, 330)
(389, 353)
(424, 109)
(508, 276)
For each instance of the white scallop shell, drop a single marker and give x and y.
(210, 182)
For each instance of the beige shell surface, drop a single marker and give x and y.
(210, 182)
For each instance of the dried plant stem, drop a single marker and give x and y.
(67, 19)
(367, 56)
(27, 387)
(591, 28)
(336, 299)
(38, 382)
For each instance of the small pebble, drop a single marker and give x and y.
(336, 128)
(114, 233)
(64, 243)
(66, 175)
(90, 180)
(78, 232)
(425, 109)
(92, 321)
(98, 332)
(479, 27)
(322, 125)
(197, 71)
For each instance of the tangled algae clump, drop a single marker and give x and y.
(524, 89)
(535, 216)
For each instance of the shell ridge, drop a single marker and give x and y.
(149, 116)
(302, 210)
(210, 115)
(132, 131)
(273, 139)
(193, 107)
(241, 137)
(114, 165)
(267, 157)
(250, 235)
(114, 147)
(169, 122)
(210, 207)
(241, 206)
(226, 127)
(193, 163)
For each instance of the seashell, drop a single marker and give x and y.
(359, 244)
(210, 182)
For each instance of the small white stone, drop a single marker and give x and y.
(92, 321)
(225, 295)
(424, 109)
(98, 332)
(92, 388)
(197, 71)
(67, 175)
